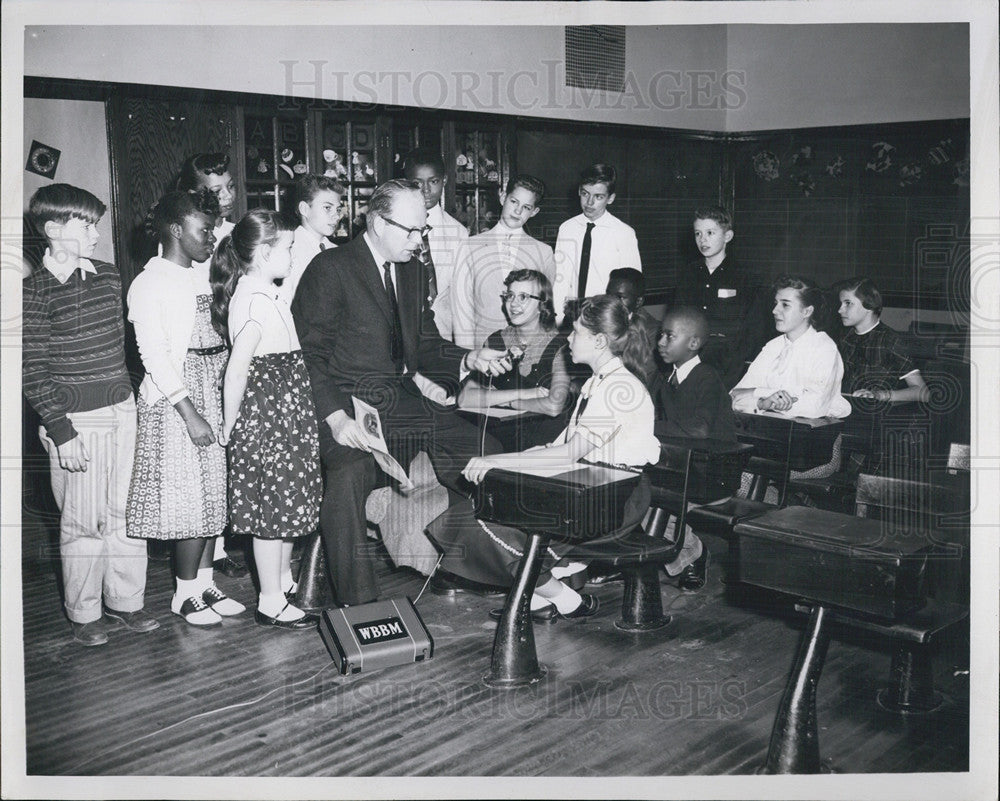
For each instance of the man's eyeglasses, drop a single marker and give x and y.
(422, 232)
(520, 297)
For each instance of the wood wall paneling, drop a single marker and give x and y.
(890, 202)
(149, 139)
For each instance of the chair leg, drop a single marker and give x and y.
(514, 662)
(911, 683)
(731, 576)
(642, 607)
(314, 590)
(794, 746)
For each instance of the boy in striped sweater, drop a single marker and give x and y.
(75, 378)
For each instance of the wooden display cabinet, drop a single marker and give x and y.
(276, 150)
(478, 161)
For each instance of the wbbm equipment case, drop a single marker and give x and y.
(376, 635)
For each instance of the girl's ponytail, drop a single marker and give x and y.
(234, 256)
(223, 275)
(635, 355)
(608, 315)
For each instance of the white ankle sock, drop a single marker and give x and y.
(288, 583)
(188, 588)
(567, 570)
(206, 578)
(538, 602)
(566, 600)
(276, 606)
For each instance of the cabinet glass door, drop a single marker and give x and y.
(276, 150)
(479, 175)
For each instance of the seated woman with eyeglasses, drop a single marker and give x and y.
(540, 381)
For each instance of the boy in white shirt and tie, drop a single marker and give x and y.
(441, 245)
(317, 202)
(592, 244)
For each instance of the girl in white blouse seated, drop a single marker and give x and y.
(797, 374)
(612, 423)
(269, 422)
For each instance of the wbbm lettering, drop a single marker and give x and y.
(374, 631)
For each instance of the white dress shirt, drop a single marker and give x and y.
(446, 237)
(685, 369)
(305, 246)
(617, 420)
(61, 269)
(613, 245)
(810, 369)
(485, 261)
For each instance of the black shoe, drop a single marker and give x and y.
(307, 621)
(692, 578)
(230, 567)
(576, 581)
(605, 578)
(587, 608)
(547, 614)
(449, 585)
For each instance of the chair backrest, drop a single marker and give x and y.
(938, 507)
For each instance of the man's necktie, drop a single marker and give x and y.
(427, 260)
(673, 379)
(396, 343)
(581, 287)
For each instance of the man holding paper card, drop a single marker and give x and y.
(365, 329)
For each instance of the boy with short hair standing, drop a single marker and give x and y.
(75, 378)
(488, 258)
(441, 245)
(592, 244)
(738, 327)
(317, 203)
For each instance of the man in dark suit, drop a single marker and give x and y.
(365, 330)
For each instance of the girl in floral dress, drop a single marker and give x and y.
(178, 488)
(275, 485)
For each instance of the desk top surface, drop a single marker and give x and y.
(783, 422)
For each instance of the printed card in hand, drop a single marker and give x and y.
(371, 429)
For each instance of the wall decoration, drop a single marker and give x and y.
(881, 158)
(42, 160)
(802, 159)
(961, 172)
(835, 167)
(942, 152)
(766, 165)
(910, 174)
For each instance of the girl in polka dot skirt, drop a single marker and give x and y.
(270, 428)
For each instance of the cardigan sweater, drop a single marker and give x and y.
(162, 303)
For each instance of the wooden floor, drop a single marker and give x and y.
(696, 698)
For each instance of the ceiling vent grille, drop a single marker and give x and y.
(595, 57)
